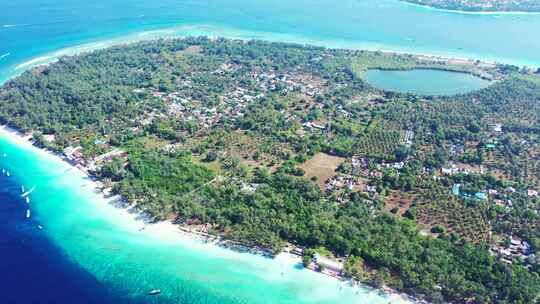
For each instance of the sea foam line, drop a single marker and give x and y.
(5, 55)
(11, 25)
(42, 59)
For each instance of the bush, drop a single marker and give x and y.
(298, 172)
(210, 156)
(438, 229)
(306, 260)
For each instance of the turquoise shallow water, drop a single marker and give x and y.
(107, 242)
(31, 28)
(426, 82)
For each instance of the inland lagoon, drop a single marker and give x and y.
(69, 244)
(425, 81)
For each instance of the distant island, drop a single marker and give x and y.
(482, 5)
(275, 146)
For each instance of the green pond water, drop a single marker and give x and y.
(425, 82)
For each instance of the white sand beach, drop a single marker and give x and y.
(190, 30)
(135, 223)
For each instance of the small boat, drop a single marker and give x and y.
(154, 292)
(22, 189)
(39, 227)
(27, 213)
(27, 200)
(8, 174)
(25, 194)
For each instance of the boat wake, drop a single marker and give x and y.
(28, 192)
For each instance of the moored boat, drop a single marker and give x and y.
(154, 292)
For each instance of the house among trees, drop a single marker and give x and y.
(74, 154)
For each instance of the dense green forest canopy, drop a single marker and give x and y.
(271, 143)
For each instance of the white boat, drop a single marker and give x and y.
(28, 200)
(22, 189)
(8, 174)
(154, 292)
(27, 213)
(39, 227)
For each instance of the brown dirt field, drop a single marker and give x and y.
(323, 166)
(193, 50)
(400, 200)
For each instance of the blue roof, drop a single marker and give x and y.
(455, 189)
(481, 195)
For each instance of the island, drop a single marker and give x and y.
(482, 5)
(273, 146)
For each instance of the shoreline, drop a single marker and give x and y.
(213, 31)
(463, 12)
(180, 233)
(51, 58)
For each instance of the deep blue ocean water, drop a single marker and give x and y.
(81, 255)
(92, 252)
(32, 269)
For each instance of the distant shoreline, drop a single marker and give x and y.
(471, 12)
(183, 31)
(175, 33)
